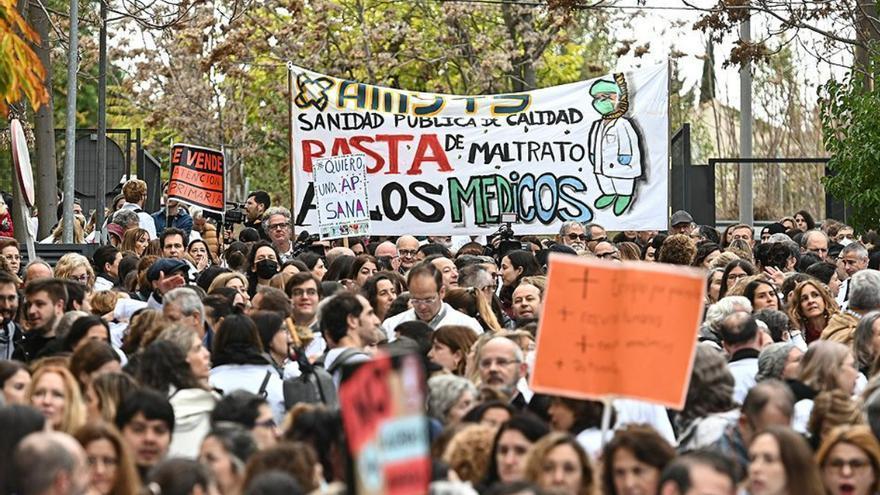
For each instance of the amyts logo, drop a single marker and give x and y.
(312, 92)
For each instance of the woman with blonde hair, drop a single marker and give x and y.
(233, 280)
(135, 240)
(111, 466)
(811, 308)
(849, 459)
(826, 366)
(76, 267)
(54, 392)
(559, 464)
(57, 234)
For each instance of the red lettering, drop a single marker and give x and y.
(357, 143)
(311, 148)
(340, 147)
(393, 140)
(175, 155)
(426, 143)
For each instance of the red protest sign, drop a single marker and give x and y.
(382, 405)
(198, 177)
(618, 329)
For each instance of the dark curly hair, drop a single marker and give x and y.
(163, 365)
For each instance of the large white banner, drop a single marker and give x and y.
(591, 151)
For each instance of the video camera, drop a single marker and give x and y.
(505, 239)
(233, 215)
(305, 242)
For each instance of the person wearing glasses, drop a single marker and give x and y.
(426, 291)
(276, 222)
(407, 248)
(849, 459)
(607, 251)
(574, 235)
(816, 242)
(502, 367)
(76, 267)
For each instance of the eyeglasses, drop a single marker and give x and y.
(853, 464)
(425, 302)
(279, 226)
(572, 236)
(501, 362)
(614, 255)
(84, 278)
(407, 253)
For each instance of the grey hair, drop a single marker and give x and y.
(864, 290)
(711, 386)
(771, 361)
(779, 237)
(518, 353)
(125, 217)
(810, 233)
(38, 261)
(65, 323)
(274, 210)
(444, 391)
(474, 276)
(862, 341)
(40, 457)
(196, 212)
(187, 300)
(725, 307)
(568, 224)
(588, 228)
(179, 335)
(856, 248)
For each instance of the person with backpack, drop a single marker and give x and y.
(348, 324)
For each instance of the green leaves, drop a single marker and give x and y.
(850, 111)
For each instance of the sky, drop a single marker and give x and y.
(657, 26)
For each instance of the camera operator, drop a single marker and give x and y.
(255, 207)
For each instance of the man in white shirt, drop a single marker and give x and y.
(741, 339)
(426, 291)
(135, 193)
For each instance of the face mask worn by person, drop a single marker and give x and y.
(266, 269)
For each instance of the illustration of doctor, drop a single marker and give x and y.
(614, 144)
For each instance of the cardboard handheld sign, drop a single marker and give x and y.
(618, 330)
(198, 177)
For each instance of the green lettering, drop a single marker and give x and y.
(459, 196)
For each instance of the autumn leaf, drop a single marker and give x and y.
(21, 73)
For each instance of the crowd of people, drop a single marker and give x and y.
(183, 359)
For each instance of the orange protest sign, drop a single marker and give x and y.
(618, 329)
(197, 177)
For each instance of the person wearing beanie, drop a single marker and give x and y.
(780, 361)
(450, 397)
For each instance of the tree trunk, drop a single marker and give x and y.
(44, 131)
(868, 33)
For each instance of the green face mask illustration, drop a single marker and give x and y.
(604, 107)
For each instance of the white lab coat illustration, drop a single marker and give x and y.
(609, 141)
